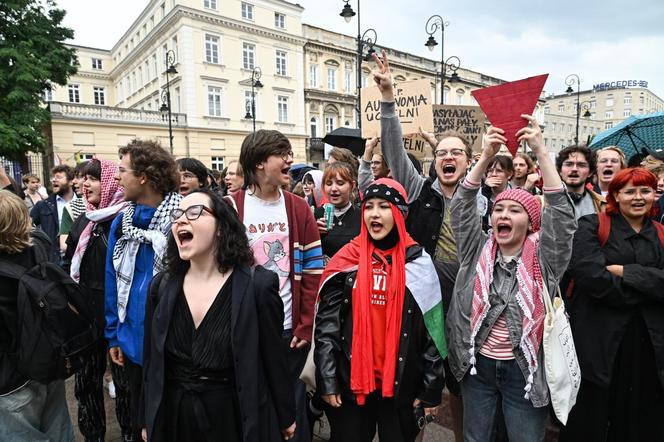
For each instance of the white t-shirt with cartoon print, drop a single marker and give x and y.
(267, 229)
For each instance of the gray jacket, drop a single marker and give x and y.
(555, 249)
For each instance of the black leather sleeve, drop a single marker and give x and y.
(327, 336)
(433, 373)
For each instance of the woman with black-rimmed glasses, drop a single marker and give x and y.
(214, 362)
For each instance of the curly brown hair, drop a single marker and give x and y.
(149, 158)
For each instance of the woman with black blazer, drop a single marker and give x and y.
(214, 364)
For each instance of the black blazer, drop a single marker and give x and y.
(267, 401)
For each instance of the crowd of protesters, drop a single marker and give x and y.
(214, 292)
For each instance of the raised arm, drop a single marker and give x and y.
(391, 137)
(364, 175)
(558, 220)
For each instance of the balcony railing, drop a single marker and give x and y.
(107, 113)
(315, 144)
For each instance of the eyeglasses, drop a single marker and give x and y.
(187, 176)
(645, 192)
(192, 212)
(286, 155)
(579, 165)
(494, 171)
(455, 153)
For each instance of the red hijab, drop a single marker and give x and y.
(359, 254)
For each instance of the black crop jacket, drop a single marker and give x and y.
(419, 371)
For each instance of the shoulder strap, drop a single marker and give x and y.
(11, 269)
(604, 228)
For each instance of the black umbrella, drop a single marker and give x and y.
(346, 137)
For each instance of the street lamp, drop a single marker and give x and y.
(165, 108)
(256, 74)
(368, 39)
(434, 23)
(570, 81)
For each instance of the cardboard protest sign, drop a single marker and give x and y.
(413, 144)
(468, 120)
(413, 100)
(504, 104)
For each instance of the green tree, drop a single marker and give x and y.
(32, 58)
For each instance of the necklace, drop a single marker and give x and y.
(341, 214)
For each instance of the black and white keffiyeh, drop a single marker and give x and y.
(126, 247)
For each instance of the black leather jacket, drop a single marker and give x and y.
(419, 372)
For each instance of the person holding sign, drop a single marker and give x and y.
(495, 324)
(429, 222)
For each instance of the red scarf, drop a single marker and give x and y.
(358, 254)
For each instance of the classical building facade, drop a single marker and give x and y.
(330, 82)
(117, 93)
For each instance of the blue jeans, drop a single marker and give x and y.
(36, 412)
(499, 382)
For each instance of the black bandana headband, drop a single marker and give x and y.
(390, 194)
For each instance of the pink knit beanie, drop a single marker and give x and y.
(528, 201)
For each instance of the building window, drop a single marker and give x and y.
(553, 128)
(214, 101)
(593, 104)
(100, 95)
(279, 21)
(155, 67)
(641, 100)
(331, 79)
(609, 102)
(162, 9)
(217, 163)
(247, 11)
(210, 4)
(313, 75)
(546, 109)
(282, 109)
(569, 128)
(313, 127)
(365, 80)
(628, 101)
(211, 49)
(247, 103)
(74, 95)
(147, 71)
(140, 77)
(608, 114)
(561, 108)
(608, 125)
(248, 55)
(96, 63)
(627, 112)
(47, 95)
(281, 63)
(329, 124)
(459, 96)
(348, 81)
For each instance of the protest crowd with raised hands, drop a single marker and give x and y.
(517, 293)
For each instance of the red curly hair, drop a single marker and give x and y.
(639, 177)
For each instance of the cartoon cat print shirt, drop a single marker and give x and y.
(267, 229)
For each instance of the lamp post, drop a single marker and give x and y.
(367, 39)
(570, 81)
(256, 74)
(434, 23)
(166, 94)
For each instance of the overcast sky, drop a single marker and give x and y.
(600, 41)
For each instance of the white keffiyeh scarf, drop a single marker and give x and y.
(126, 248)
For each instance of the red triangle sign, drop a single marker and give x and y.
(504, 104)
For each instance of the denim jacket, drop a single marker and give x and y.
(555, 248)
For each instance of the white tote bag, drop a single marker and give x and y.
(563, 375)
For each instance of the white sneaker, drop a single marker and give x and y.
(111, 389)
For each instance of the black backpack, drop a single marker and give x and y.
(57, 332)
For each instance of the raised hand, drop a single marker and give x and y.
(532, 135)
(383, 76)
(429, 137)
(492, 141)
